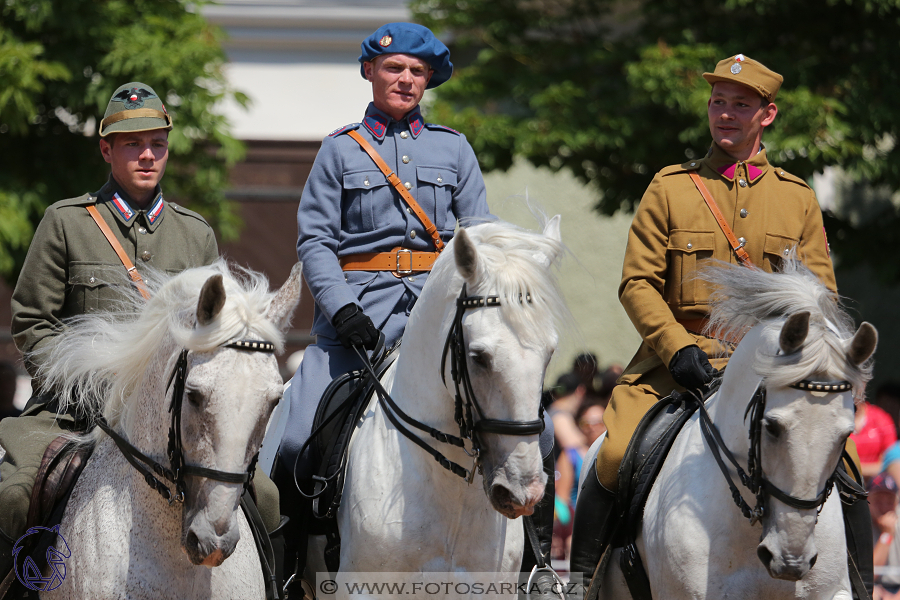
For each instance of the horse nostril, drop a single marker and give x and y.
(192, 541)
(501, 495)
(812, 561)
(764, 555)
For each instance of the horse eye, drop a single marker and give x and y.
(480, 358)
(195, 398)
(773, 428)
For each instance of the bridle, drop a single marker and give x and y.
(468, 413)
(177, 470)
(754, 479)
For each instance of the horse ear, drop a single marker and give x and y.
(863, 344)
(286, 299)
(551, 229)
(794, 332)
(212, 299)
(466, 255)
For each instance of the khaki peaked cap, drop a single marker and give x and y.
(746, 71)
(134, 107)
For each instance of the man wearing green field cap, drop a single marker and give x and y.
(69, 269)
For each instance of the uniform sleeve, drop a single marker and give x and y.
(814, 246)
(644, 276)
(211, 248)
(40, 293)
(319, 231)
(470, 195)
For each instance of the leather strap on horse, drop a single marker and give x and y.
(404, 193)
(111, 238)
(400, 261)
(736, 246)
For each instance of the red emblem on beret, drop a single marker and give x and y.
(385, 41)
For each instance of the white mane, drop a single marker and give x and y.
(98, 360)
(746, 297)
(514, 261)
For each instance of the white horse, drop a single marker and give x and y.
(694, 541)
(403, 511)
(126, 540)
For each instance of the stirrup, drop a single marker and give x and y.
(558, 586)
(309, 592)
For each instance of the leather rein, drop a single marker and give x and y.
(468, 413)
(177, 470)
(754, 479)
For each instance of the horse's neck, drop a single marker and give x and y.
(417, 385)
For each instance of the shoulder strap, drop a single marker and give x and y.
(714, 208)
(129, 266)
(404, 193)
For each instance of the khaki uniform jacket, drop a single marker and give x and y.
(70, 263)
(674, 234)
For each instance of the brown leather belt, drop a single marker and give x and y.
(697, 326)
(399, 261)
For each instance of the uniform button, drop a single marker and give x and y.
(744, 213)
(145, 256)
(742, 241)
(412, 234)
(409, 210)
(404, 135)
(92, 280)
(742, 183)
(693, 164)
(787, 251)
(366, 182)
(142, 230)
(407, 185)
(405, 160)
(440, 179)
(689, 246)
(411, 278)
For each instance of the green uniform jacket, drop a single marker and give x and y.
(70, 263)
(674, 234)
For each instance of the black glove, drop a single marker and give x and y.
(690, 368)
(355, 328)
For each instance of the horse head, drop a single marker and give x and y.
(507, 352)
(229, 394)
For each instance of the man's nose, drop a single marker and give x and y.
(406, 76)
(146, 154)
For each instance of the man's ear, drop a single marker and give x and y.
(430, 73)
(770, 112)
(368, 67)
(106, 149)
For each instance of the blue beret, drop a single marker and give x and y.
(408, 38)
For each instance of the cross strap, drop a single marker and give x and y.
(111, 238)
(404, 193)
(736, 246)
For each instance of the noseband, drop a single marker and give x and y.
(178, 470)
(754, 479)
(468, 413)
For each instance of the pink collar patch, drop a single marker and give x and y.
(728, 171)
(753, 172)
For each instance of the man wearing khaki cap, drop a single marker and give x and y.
(673, 235)
(70, 265)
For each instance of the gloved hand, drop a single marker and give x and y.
(355, 328)
(690, 368)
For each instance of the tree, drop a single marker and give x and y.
(60, 60)
(613, 92)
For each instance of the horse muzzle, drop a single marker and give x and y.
(515, 501)
(781, 568)
(209, 545)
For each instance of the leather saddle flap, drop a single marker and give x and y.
(61, 465)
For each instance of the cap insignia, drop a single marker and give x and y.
(739, 58)
(736, 68)
(385, 41)
(134, 98)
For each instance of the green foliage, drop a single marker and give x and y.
(612, 91)
(60, 60)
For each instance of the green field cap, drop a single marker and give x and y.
(134, 107)
(746, 71)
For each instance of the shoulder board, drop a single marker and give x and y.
(785, 176)
(83, 200)
(693, 165)
(344, 129)
(187, 212)
(441, 128)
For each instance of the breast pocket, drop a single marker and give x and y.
(686, 249)
(436, 185)
(93, 287)
(361, 192)
(776, 249)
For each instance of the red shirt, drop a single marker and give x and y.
(876, 436)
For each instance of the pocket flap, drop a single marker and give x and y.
(439, 176)
(364, 180)
(685, 240)
(778, 244)
(92, 275)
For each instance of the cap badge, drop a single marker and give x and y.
(736, 68)
(739, 58)
(134, 98)
(385, 41)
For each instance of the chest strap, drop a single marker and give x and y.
(400, 261)
(111, 238)
(404, 193)
(737, 247)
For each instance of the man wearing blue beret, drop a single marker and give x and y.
(366, 250)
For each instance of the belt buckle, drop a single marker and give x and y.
(403, 272)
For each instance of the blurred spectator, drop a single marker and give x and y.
(608, 381)
(8, 380)
(585, 367)
(883, 505)
(874, 433)
(887, 397)
(567, 394)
